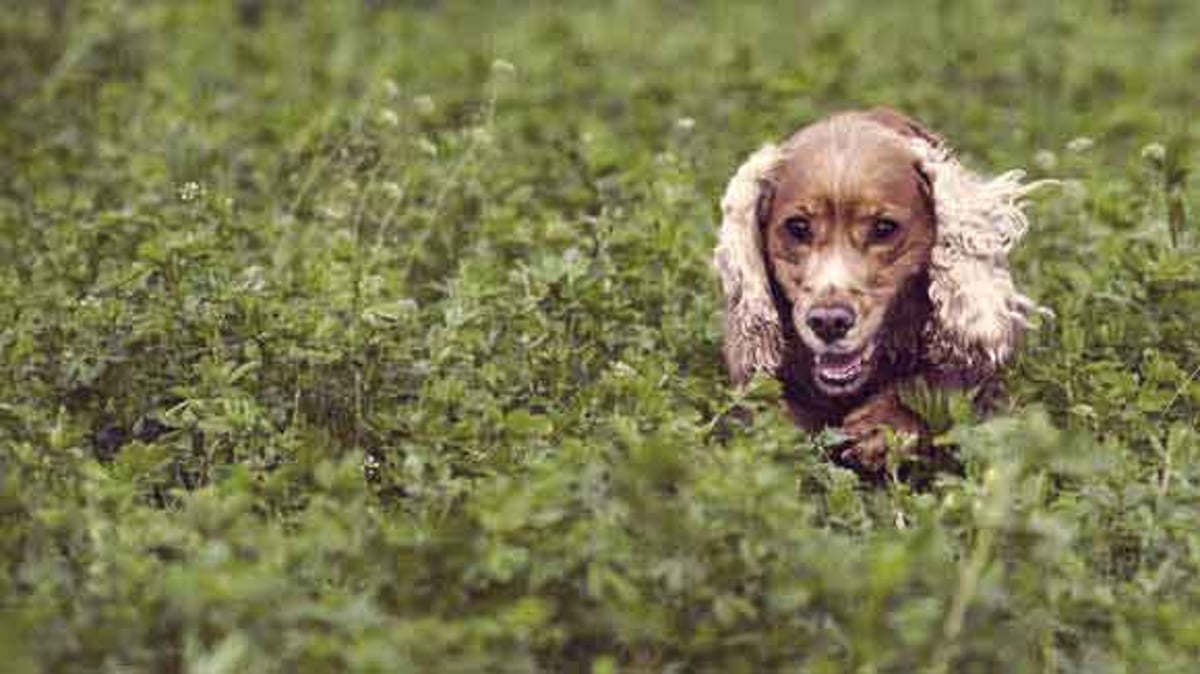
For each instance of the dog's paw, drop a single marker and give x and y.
(875, 434)
(868, 452)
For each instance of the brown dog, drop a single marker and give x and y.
(858, 255)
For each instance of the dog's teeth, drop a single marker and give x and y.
(839, 368)
(848, 371)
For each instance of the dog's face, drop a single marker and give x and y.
(847, 223)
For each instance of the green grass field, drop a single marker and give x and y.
(371, 336)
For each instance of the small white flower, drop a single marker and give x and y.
(190, 191)
(1080, 144)
(685, 123)
(390, 88)
(622, 370)
(1154, 153)
(503, 66)
(389, 118)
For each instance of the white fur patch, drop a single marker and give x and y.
(833, 275)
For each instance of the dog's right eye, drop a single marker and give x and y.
(800, 228)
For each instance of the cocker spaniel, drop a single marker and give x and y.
(858, 255)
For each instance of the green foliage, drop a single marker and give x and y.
(381, 336)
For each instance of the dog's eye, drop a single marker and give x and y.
(883, 229)
(799, 227)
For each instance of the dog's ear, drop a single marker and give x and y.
(753, 331)
(979, 316)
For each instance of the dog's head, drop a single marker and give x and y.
(847, 223)
(827, 235)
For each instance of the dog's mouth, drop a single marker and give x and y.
(840, 373)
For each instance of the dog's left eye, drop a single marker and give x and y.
(799, 227)
(883, 229)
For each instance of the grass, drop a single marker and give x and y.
(381, 336)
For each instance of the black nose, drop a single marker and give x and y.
(831, 322)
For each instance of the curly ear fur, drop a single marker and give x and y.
(753, 332)
(979, 316)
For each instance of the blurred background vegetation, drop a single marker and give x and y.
(381, 337)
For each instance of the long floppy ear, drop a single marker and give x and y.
(753, 332)
(979, 316)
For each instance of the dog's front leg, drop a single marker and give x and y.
(881, 423)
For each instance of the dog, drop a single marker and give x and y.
(860, 255)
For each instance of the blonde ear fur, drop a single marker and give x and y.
(979, 316)
(753, 334)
